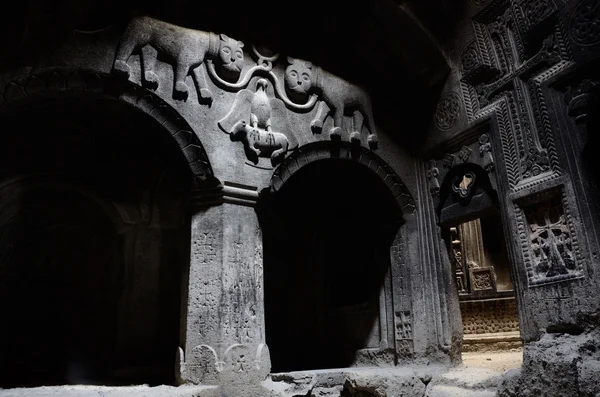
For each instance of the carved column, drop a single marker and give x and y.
(224, 310)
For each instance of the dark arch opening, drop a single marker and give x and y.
(93, 243)
(327, 243)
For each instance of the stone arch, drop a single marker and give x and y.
(28, 183)
(344, 150)
(61, 83)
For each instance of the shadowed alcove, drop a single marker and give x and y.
(93, 242)
(326, 254)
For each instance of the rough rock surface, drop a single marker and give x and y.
(560, 365)
(421, 381)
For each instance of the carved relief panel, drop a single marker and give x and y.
(515, 51)
(550, 246)
(268, 89)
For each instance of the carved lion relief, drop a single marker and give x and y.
(339, 96)
(258, 117)
(185, 49)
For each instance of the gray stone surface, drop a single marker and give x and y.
(557, 365)
(511, 129)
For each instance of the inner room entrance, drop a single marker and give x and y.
(327, 245)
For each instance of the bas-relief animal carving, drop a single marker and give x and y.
(340, 96)
(262, 143)
(185, 49)
(257, 134)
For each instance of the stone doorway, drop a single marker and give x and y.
(93, 245)
(484, 284)
(326, 268)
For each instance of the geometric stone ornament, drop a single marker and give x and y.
(482, 278)
(404, 337)
(448, 111)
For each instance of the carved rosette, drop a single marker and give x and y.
(448, 111)
(584, 23)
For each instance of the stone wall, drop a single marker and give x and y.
(489, 316)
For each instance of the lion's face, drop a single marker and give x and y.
(231, 54)
(298, 76)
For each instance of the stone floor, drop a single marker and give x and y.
(477, 377)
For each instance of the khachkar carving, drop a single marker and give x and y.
(548, 238)
(250, 121)
(523, 43)
(404, 336)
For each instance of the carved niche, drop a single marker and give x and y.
(548, 238)
(258, 117)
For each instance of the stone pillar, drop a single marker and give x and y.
(472, 243)
(223, 315)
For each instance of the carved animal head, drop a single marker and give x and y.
(299, 76)
(231, 55)
(262, 84)
(239, 131)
